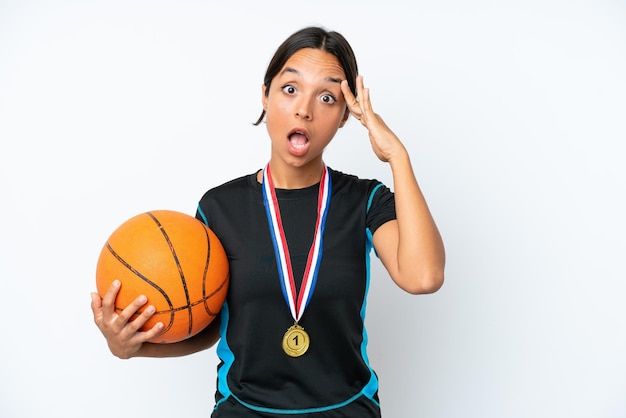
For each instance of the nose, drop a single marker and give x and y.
(304, 108)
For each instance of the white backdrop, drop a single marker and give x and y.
(514, 114)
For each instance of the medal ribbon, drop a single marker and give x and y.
(281, 250)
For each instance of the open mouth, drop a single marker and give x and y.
(298, 140)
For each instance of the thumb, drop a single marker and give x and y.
(96, 302)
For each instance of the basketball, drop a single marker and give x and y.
(173, 259)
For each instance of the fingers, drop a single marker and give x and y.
(108, 301)
(153, 332)
(351, 100)
(364, 94)
(124, 318)
(360, 106)
(96, 302)
(104, 310)
(122, 330)
(130, 337)
(128, 312)
(96, 308)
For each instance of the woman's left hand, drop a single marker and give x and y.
(384, 142)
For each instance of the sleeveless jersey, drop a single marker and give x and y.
(256, 378)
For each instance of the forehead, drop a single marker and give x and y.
(314, 63)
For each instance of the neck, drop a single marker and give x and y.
(288, 177)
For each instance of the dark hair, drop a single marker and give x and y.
(317, 38)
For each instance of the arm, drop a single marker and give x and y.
(124, 338)
(201, 341)
(410, 247)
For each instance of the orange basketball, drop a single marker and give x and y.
(173, 259)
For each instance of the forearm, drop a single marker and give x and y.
(201, 341)
(420, 251)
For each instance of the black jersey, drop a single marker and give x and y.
(256, 378)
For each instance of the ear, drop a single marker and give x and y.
(346, 115)
(264, 96)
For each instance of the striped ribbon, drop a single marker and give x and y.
(297, 302)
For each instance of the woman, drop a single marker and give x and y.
(298, 236)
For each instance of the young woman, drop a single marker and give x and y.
(298, 236)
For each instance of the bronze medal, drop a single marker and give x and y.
(295, 341)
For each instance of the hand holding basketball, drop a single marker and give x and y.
(162, 277)
(124, 337)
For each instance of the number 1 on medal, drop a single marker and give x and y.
(295, 341)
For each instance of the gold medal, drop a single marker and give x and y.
(295, 341)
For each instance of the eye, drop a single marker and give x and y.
(328, 98)
(289, 89)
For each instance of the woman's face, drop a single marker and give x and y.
(304, 107)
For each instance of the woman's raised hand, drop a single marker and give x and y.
(385, 143)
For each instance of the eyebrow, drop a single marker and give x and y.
(294, 71)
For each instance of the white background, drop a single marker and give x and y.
(513, 112)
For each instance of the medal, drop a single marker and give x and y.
(296, 341)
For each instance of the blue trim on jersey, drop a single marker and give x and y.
(223, 350)
(371, 198)
(297, 411)
(371, 387)
(225, 353)
(204, 218)
(369, 233)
